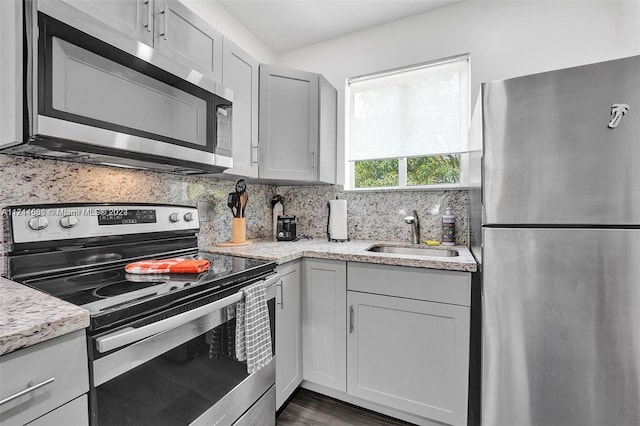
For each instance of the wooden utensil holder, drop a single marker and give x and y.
(238, 230)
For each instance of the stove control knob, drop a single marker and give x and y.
(38, 223)
(174, 217)
(68, 222)
(188, 217)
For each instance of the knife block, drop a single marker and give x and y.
(238, 230)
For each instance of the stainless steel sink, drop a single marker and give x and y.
(414, 251)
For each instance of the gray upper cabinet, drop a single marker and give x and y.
(168, 26)
(297, 131)
(131, 17)
(187, 38)
(240, 74)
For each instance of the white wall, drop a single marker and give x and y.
(505, 39)
(218, 17)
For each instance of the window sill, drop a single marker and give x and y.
(431, 188)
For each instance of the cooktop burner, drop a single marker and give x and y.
(122, 287)
(93, 278)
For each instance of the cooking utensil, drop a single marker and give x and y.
(233, 201)
(244, 198)
(241, 186)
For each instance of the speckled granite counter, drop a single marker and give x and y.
(353, 251)
(28, 316)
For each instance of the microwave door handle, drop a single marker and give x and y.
(129, 335)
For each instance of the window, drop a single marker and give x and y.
(408, 128)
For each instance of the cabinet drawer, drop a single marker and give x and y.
(63, 359)
(74, 413)
(414, 283)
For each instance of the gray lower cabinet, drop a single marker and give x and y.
(297, 129)
(324, 307)
(57, 373)
(240, 74)
(408, 345)
(288, 331)
(389, 338)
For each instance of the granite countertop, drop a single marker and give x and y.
(28, 316)
(353, 251)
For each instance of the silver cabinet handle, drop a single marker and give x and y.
(31, 388)
(313, 160)
(163, 34)
(281, 285)
(147, 3)
(256, 158)
(351, 319)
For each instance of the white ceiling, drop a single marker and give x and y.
(285, 25)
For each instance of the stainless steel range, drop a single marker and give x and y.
(161, 346)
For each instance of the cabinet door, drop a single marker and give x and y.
(324, 321)
(240, 74)
(11, 79)
(409, 354)
(288, 124)
(288, 332)
(187, 38)
(131, 17)
(328, 134)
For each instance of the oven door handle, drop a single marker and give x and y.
(130, 335)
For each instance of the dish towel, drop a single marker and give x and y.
(253, 334)
(168, 266)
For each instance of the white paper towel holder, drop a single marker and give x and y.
(346, 233)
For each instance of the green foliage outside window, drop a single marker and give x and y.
(376, 173)
(433, 170)
(430, 170)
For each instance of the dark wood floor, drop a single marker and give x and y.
(308, 408)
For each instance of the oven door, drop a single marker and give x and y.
(182, 370)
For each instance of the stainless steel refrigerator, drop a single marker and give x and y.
(561, 247)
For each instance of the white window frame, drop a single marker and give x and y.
(464, 180)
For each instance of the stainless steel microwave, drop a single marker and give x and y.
(84, 92)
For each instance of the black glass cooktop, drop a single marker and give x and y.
(111, 294)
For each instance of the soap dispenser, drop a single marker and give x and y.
(448, 228)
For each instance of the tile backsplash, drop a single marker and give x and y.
(377, 215)
(371, 215)
(34, 181)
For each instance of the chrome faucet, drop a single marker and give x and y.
(415, 227)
